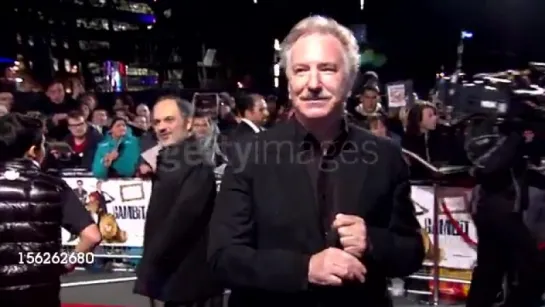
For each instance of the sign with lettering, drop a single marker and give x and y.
(457, 233)
(118, 206)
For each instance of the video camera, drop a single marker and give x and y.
(487, 105)
(508, 95)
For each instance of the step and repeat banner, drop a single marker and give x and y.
(118, 206)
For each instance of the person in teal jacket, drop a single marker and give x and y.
(118, 153)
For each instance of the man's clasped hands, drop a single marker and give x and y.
(333, 266)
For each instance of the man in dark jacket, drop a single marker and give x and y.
(83, 140)
(253, 114)
(173, 267)
(56, 105)
(314, 212)
(33, 207)
(505, 242)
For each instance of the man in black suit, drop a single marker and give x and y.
(253, 112)
(81, 193)
(315, 212)
(173, 268)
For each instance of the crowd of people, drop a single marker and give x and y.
(323, 218)
(107, 140)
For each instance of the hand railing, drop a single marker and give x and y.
(438, 177)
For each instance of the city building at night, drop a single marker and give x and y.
(109, 43)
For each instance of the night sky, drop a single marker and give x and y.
(418, 37)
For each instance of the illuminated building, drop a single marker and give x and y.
(104, 40)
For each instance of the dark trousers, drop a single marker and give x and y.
(505, 245)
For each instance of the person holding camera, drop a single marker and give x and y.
(499, 199)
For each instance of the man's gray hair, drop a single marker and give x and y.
(323, 25)
(186, 108)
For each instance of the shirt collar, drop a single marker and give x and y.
(308, 141)
(254, 127)
(36, 163)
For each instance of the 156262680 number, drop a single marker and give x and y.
(65, 258)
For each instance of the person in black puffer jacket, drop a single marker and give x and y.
(33, 207)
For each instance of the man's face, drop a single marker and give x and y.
(84, 108)
(3, 110)
(55, 93)
(259, 112)
(90, 101)
(429, 119)
(118, 104)
(77, 126)
(317, 78)
(272, 107)
(143, 110)
(169, 124)
(369, 100)
(6, 100)
(141, 122)
(100, 118)
(200, 127)
(122, 114)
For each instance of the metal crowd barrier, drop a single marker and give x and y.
(439, 179)
(112, 259)
(107, 259)
(125, 259)
(431, 269)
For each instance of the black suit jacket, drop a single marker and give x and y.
(238, 140)
(266, 226)
(173, 266)
(242, 129)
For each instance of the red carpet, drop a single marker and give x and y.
(86, 305)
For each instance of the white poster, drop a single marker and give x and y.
(119, 207)
(397, 96)
(457, 233)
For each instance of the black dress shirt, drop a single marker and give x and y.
(322, 161)
(267, 225)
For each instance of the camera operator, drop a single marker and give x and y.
(500, 197)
